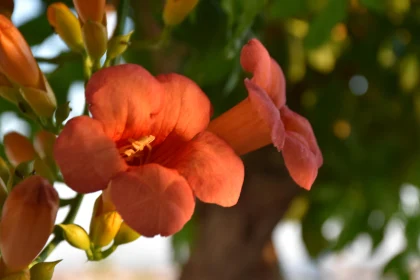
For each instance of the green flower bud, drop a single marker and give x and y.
(43, 271)
(76, 236)
(125, 235)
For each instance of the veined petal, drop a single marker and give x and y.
(299, 124)
(211, 167)
(186, 110)
(267, 73)
(299, 160)
(87, 158)
(125, 99)
(153, 199)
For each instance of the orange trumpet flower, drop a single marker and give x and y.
(147, 143)
(263, 118)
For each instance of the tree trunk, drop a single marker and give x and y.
(235, 243)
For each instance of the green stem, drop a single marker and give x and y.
(74, 208)
(122, 15)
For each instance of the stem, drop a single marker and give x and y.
(122, 15)
(74, 208)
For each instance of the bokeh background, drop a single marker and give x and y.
(352, 68)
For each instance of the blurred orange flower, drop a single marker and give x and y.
(18, 148)
(27, 221)
(147, 143)
(263, 118)
(93, 10)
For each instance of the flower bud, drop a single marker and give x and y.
(175, 11)
(27, 221)
(125, 235)
(118, 45)
(43, 271)
(6, 8)
(93, 10)
(105, 222)
(16, 59)
(95, 38)
(66, 25)
(18, 148)
(7, 91)
(20, 275)
(76, 236)
(44, 143)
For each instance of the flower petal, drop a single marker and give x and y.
(87, 158)
(153, 199)
(211, 167)
(252, 124)
(186, 110)
(18, 148)
(125, 99)
(267, 73)
(295, 122)
(299, 160)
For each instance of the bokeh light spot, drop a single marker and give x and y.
(358, 84)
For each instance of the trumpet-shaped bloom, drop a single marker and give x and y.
(263, 118)
(27, 221)
(147, 143)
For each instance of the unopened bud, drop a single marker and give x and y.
(118, 45)
(95, 39)
(125, 235)
(16, 59)
(42, 101)
(27, 221)
(44, 143)
(93, 10)
(175, 11)
(66, 25)
(105, 222)
(6, 8)
(76, 236)
(18, 148)
(43, 271)
(7, 91)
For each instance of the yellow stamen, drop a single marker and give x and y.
(131, 151)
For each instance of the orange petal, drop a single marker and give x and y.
(252, 124)
(186, 110)
(18, 148)
(211, 167)
(296, 123)
(299, 160)
(125, 98)
(153, 199)
(87, 158)
(267, 73)
(27, 221)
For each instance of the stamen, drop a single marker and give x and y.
(130, 152)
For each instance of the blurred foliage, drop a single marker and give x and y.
(369, 137)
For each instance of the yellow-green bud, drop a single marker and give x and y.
(43, 271)
(105, 222)
(76, 236)
(118, 45)
(66, 25)
(175, 11)
(95, 39)
(125, 235)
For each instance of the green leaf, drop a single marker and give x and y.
(36, 30)
(374, 5)
(320, 28)
(281, 9)
(397, 265)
